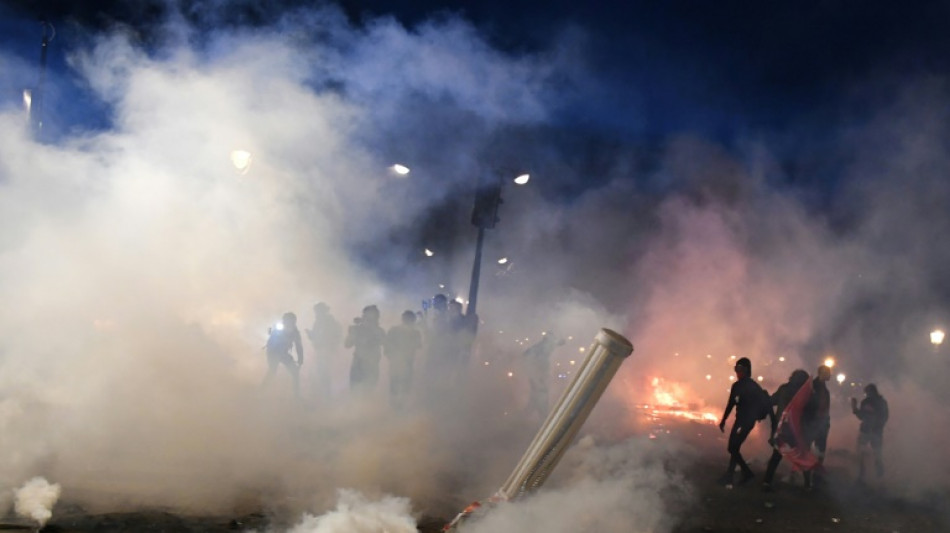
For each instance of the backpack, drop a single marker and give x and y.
(763, 404)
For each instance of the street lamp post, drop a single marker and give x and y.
(484, 217)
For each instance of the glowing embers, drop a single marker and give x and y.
(669, 402)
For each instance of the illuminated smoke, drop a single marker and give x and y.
(355, 513)
(35, 500)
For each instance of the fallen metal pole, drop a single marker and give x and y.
(563, 422)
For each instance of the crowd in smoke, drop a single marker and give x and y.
(141, 269)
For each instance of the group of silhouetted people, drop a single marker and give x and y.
(442, 329)
(799, 413)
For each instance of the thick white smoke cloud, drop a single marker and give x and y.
(625, 486)
(356, 514)
(35, 500)
(141, 269)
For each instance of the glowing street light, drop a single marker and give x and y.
(936, 337)
(503, 260)
(522, 179)
(840, 378)
(428, 252)
(830, 362)
(401, 170)
(241, 159)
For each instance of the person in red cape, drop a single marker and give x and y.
(791, 440)
(780, 400)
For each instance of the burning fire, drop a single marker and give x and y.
(667, 403)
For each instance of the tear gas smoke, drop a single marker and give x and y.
(35, 500)
(355, 513)
(140, 272)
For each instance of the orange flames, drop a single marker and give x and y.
(667, 403)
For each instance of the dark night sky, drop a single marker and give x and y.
(721, 68)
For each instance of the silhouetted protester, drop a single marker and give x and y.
(873, 413)
(325, 335)
(366, 338)
(440, 343)
(403, 341)
(538, 368)
(747, 397)
(463, 335)
(780, 400)
(791, 439)
(282, 339)
(817, 417)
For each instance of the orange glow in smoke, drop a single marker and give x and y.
(669, 400)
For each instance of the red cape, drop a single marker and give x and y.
(790, 439)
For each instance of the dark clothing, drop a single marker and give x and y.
(817, 410)
(873, 413)
(737, 436)
(402, 344)
(745, 395)
(538, 367)
(782, 397)
(281, 341)
(366, 339)
(817, 416)
(325, 336)
(279, 344)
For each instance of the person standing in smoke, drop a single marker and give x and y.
(282, 339)
(817, 420)
(780, 400)
(460, 346)
(438, 341)
(873, 413)
(403, 341)
(366, 338)
(538, 367)
(745, 396)
(325, 335)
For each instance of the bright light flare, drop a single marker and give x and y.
(522, 179)
(511, 374)
(430, 253)
(279, 326)
(401, 170)
(830, 362)
(503, 260)
(28, 99)
(936, 337)
(241, 159)
(841, 378)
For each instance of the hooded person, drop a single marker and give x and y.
(366, 338)
(873, 414)
(284, 337)
(780, 401)
(403, 341)
(817, 419)
(746, 397)
(325, 335)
